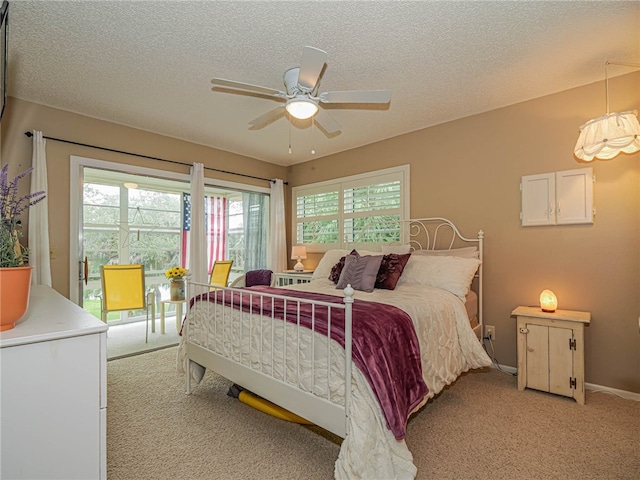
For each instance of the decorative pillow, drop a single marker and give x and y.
(390, 270)
(327, 262)
(257, 277)
(464, 252)
(399, 249)
(360, 272)
(453, 274)
(334, 276)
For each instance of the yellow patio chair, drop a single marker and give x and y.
(220, 273)
(123, 289)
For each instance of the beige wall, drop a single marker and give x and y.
(467, 170)
(22, 116)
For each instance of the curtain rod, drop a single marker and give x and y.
(29, 134)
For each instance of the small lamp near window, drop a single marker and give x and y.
(298, 252)
(548, 301)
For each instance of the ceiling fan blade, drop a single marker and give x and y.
(269, 117)
(356, 96)
(326, 122)
(311, 65)
(246, 87)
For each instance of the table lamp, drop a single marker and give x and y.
(298, 252)
(548, 301)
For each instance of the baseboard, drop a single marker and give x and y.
(613, 391)
(588, 386)
(505, 368)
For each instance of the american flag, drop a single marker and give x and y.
(216, 213)
(216, 232)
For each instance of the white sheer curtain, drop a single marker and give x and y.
(278, 244)
(39, 216)
(197, 240)
(256, 225)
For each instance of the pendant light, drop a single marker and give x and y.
(609, 135)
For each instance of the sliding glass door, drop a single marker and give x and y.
(133, 217)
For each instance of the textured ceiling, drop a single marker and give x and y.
(149, 64)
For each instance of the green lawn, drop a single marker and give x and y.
(93, 307)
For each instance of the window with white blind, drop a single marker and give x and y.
(351, 212)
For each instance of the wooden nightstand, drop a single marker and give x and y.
(291, 277)
(551, 351)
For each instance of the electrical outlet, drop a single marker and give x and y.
(490, 332)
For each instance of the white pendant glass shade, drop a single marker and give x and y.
(301, 107)
(607, 136)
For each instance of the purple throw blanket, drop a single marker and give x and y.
(385, 345)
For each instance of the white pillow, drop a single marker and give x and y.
(453, 274)
(328, 260)
(399, 249)
(464, 252)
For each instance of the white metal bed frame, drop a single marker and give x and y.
(322, 411)
(427, 233)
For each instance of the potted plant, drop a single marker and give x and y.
(15, 273)
(177, 285)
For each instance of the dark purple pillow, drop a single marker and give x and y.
(257, 277)
(336, 270)
(390, 270)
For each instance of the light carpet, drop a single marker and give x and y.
(481, 427)
(129, 339)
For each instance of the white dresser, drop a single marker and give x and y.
(53, 410)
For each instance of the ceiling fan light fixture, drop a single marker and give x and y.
(301, 107)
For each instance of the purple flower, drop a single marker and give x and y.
(11, 206)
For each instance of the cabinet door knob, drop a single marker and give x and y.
(530, 349)
(524, 331)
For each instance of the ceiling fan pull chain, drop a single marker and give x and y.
(313, 125)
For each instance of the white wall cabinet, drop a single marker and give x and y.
(54, 392)
(557, 198)
(551, 351)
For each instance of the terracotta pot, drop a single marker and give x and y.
(15, 284)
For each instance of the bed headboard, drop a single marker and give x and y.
(437, 233)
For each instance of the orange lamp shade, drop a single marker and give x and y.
(548, 301)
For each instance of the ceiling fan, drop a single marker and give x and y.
(301, 98)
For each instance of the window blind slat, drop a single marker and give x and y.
(362, 209)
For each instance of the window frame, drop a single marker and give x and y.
(77, 164)
(400, 173)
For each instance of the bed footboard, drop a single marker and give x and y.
(276, 346)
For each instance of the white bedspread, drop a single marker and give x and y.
(449, 347)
